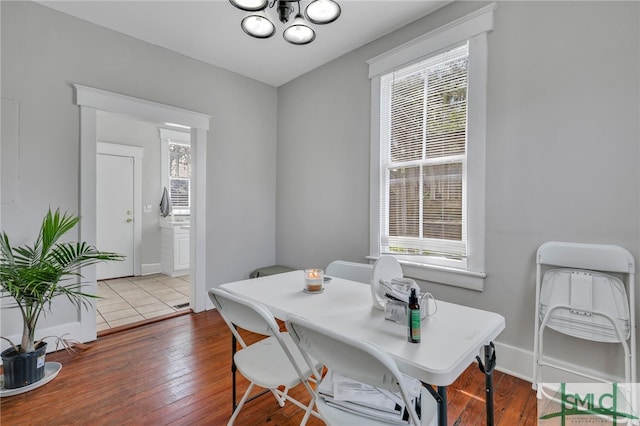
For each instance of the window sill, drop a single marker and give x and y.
(442, 275)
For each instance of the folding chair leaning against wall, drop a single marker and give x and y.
(577, 296)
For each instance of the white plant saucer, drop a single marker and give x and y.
(51, 370)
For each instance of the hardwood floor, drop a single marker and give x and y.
(178, 372)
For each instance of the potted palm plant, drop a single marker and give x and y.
(32, 276)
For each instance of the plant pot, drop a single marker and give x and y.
(23, 369)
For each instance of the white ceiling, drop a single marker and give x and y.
(209, 30)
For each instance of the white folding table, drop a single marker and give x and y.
(450, 340)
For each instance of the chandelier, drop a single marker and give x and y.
(257, 24)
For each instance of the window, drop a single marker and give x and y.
(176, 169)
(180, 175)
(423, 118)
(428, 142)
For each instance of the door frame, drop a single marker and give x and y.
(90, 100)
(135, 152)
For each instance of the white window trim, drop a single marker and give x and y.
(472, 27)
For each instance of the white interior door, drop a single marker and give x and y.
(115, 213)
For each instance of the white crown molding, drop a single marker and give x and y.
(470, 25)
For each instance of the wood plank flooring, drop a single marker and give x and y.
(178, 372)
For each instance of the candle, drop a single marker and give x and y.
(313, 279)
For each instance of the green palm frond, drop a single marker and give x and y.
(33, 275)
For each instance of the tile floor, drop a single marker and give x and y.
(132, 299)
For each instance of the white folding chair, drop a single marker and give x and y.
(360, 361)
(270, 363)
(361, 272)
(386, 268)
(576, 296)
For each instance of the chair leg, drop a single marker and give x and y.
(309, 411)
(242, 401)
(308, 408)
(280, 398)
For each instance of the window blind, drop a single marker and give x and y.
(180, 174)
(423, 136)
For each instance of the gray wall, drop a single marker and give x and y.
(562, 151)
(44, 52)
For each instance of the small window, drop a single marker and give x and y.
(180, 175)
(176, 169)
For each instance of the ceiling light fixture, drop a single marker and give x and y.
(257, 24)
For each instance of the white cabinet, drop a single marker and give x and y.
(175, 249)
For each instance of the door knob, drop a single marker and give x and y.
(129, 220)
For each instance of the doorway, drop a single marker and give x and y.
(161, 285)
(91, 101)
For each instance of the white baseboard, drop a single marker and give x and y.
(518, 362)
(151, 268)
(71, 331)
(514, 361)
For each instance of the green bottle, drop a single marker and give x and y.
(413, 318)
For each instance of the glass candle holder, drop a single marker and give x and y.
(313, 279)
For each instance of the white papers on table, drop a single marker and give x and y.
(400, 288)
(350, 395)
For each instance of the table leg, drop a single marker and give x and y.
(442, 406)
(487, 368)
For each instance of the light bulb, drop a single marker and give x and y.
(298, 32)
(258, 25)
(323, 11)
(250, 5)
